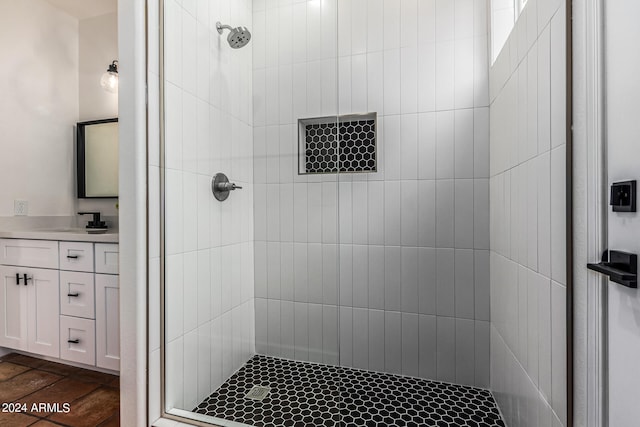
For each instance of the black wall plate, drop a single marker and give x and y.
(623, 196)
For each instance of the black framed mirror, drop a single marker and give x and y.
(97, 159)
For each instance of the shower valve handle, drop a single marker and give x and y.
(228, 186)
(221, 187)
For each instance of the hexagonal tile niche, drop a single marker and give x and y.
(330, 147)
(310, 394)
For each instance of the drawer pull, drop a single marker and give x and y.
(74, 295)
(76, 341)
(73, 256)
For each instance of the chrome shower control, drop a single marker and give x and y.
(220, 186)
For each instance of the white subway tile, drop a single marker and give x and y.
(392, 212)
(465, 351)
(427, 351)
(315, 333)
(330, 353)
(558, 79)
(463, 144)
(409, 279)
(360, 338)
(359, 87)
(287, 332)
(446, 349)
(392, 22)
(314, 271)
(392, 274)
(330, 274)
(445, 213)
(464, 284)
(346, 336)
(558, 215)
(544, 89)
(445, 282)
(360, 215)
(559, 351)
(445, 73)
(445, 157)
(409, 78)
(409, 213)
(482, 354)
(463, 71)
(375, 79)
(393, 342)
(481, 214)
(427, 74)
(427, 280)
(410, 344)
(376, 328)
(376, 277)
(427, 146)
(427, 213)
(300, 330)
(463, 213)
(392, 80)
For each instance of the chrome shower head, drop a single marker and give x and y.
(238, 37)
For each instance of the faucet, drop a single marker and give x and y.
(95, 223)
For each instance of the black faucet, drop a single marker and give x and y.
(96, 223)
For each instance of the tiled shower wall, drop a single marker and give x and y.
(390, 268)
(528, 208)
(209, 245)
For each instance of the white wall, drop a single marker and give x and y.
(39, 86)
(209, 244)
(98, 48)
(401, 255)
(528, 208)
(621, 56)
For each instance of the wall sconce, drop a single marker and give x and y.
(109, 80)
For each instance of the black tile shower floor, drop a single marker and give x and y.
(309, 394)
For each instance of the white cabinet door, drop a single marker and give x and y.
(107, 322)
(43, 308)
(13, 310)
(106, 258)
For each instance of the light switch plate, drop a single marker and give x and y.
(20, 207)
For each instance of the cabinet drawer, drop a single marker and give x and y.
(76, 256)
(106, 258)
(78, 340)
(29, 253)
(77, 294)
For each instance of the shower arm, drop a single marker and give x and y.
(221, 27)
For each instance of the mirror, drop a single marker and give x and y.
(97, 159)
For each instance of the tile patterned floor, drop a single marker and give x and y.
(94, 397)
(307, 394)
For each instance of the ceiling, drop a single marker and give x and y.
(83, 9)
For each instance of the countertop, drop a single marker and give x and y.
(64, 234)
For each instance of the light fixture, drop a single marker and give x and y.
(109, 80)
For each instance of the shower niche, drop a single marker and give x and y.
(345, 144)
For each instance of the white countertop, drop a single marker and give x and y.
(64, 234)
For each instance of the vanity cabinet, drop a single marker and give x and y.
(60, 299)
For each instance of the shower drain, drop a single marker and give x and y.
(258, 392)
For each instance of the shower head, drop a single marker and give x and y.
(238, 37)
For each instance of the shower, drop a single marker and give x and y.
(238, 37)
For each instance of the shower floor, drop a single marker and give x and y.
(310, 394)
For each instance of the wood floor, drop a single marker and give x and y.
(93, 397)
